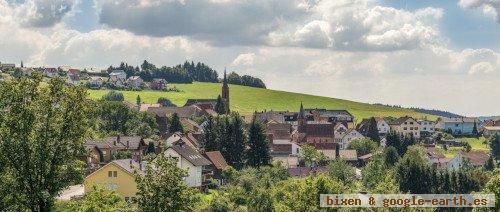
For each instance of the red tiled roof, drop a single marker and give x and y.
(476, 158)
(217, 159)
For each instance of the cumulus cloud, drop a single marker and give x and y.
(41, 13)
(481, 68)
(228, 22)
(244, 59)
(334, 24)
(489, 7)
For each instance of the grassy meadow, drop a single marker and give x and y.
(246, 100)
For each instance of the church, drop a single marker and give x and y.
(211, 103)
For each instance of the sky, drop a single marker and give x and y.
(430, 54)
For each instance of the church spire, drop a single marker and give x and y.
(301, 111)
(225, 79)
(225, 92)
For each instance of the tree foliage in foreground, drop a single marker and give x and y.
(42, 129)
(161, 187)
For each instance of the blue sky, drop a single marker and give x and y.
(432, 54)
(464, 28)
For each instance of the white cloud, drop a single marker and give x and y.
(335, 24)
(244, 59)
(489, 7)
(42, 13)
(481, 68)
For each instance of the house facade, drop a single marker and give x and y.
(158, 84)
(118, 176)
(350, 135)
(457, 126)
(406, 126)
(472, 158)
(96, 82)
(191, 161)
(51, 72)
(135, 82)
(117, 77)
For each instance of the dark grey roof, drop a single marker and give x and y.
(182, 112)
(195, 101)
(191, 155)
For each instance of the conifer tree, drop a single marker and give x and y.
(175, 124)
(474, 130)
(258, 152)
(220, 107)
(138, 101)
(209, 138)
(373, 130)
(237, 141)
(495, 146)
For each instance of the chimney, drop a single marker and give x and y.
(128, 144)
(117, 139)
(130, 162)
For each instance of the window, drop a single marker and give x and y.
(112, 173)
(404, 128)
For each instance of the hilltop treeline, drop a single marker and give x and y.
(426, 111)
(246, 80)
(184, 73)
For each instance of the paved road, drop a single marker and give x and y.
(76, 190)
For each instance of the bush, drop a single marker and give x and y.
(113, 96)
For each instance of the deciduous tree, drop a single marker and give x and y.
(42, 131)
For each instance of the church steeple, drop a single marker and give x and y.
(301, 119)
(225, 92)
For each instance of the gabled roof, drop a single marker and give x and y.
(117, 72)
(182, 112)
(400, 120)
(195, 101)
(348, 154)
(459, 120)
(319, 130)
(217, 159)
(476, 158)
(191, 155)
(134, 142)
(129, 165)
(433, 153)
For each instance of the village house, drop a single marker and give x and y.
(102, 151)
(118, 176)
(407, 126)
(162, 113)
(51, 72)
(7, 66)
(436, 158)
(191, 161)
(491, 127)
(96, 82)
(73, 76)
(117, 77)
(473, 158)
(339, 130)
(135, 82)
(190, 125)
(427, 128)
(330, 116)
(382, 126)
(312, 132)
(349, 136)
(215, 169)
(158, 84)
(457, 126)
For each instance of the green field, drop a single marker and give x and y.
(475, 143)
(246, 100)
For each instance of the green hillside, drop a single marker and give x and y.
(246, 100)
